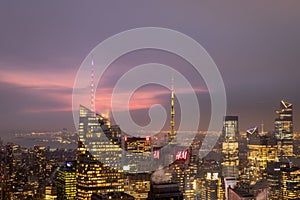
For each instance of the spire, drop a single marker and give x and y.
(262, 127)
(92, 87)
(172, 131)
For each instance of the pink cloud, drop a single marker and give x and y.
(57, 87)
(52, 87)
(37, 79)
(141, 99)
(46, 110)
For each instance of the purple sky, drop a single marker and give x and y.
(255, 44)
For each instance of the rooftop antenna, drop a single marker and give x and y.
(92, 87)
(172, 131)
(262, 127)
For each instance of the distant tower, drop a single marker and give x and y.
(262, 127)
(92, 87)
(284, 129)
(172, 131)
(230, 147)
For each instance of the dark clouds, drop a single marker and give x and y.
(255, 44)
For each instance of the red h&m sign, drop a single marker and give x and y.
(181, 155)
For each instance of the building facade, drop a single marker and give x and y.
(98, 159)
(284, 129)
(230, 152)
(66, 181)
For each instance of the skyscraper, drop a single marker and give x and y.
(93, 174)
(283, 180)
(284, 129)
(66, 181)
(39, 153)
(172, 123)
(261, 150)
(137, 154)
(137, 184)
(182, 171)
(209, 183)
(230, 146)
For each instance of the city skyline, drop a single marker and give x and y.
(41, 52)
(149, 100)
(108, 162)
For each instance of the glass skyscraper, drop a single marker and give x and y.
(230, 152)
(66, 181)
(261, 150)
(96, 172)
(284, 129)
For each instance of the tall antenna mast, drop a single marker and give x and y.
(172, 131)
(92, 87)
(262, 127)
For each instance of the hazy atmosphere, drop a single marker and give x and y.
(255, 45)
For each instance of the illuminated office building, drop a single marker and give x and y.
(180, 166)
(284, 181)
(208, 184)
(291, 183)
(15, 172)
(50, 192)
(274, 179)
(115, 135)
(137, 154)
(66, 181)
(284, 129)
(98, 158)
(182, 173)
(137, 184)
(39, 153)
(136, 164)
(261, 150)
(9, 171)
(190, 190)
(137, 144)
(230, 152)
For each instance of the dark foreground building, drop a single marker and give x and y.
(112, 195)
(165, 191)
(235, 194)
